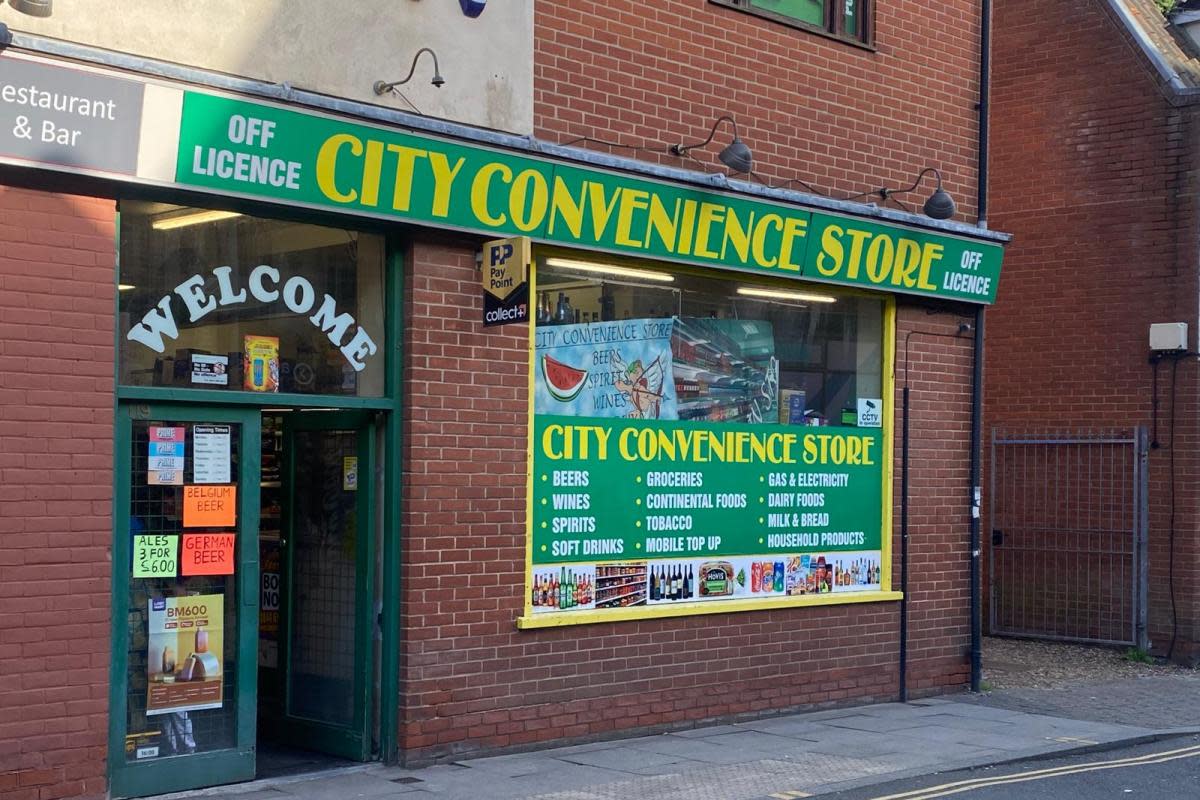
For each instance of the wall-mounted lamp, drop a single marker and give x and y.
(34, 8)
(940, 204)
(736, 155)
(438, 80)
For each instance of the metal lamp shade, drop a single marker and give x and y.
(940, 205)
(737, 156)
(34, 8)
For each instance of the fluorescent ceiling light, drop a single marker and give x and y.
(191, 218)
(609, 269)
(125, 287)
(775, 294)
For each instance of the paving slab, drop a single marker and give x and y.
(811, 753)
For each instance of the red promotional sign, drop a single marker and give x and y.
(207, 554)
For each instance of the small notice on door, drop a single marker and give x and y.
(209, 506)
(165, 456)
(208, 553)
(350, 473)
(155, 556)
(211, 370)
(210, 463)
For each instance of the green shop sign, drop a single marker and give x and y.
(234, 146)
(618, 489)
(657, 513)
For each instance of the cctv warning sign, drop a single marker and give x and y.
(506, 281)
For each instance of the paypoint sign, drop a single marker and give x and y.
(505, 268)
(232, 146)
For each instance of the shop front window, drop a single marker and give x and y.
(702, 442)
(739, 351)
(219, 300)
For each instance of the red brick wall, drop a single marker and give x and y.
(470, 681)
(56, 426)
(1092, 172)
(841, 118)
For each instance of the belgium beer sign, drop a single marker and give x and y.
(505, 270)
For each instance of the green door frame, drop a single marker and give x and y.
(397, 249)
(353, 741)
(175, 773)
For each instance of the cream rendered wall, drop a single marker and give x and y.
(336, 48)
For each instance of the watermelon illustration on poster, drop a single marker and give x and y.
(621, 368)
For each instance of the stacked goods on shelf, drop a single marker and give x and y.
(725, 370)
(621, 585)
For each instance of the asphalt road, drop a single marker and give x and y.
(1159, 771)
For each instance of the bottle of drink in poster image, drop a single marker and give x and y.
(755, 576)
(676, 584)
(688, 583)
(778, 576)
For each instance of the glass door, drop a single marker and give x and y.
(329, 572)
(185, 580)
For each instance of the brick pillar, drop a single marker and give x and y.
(57, 259)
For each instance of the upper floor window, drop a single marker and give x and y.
(843, 18)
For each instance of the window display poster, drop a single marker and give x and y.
(268, 604)
(633, 513)
(206, 506)
(155, 555)
(208, 553)
(210, 460)
(718, 370)
(210, 370)
(186, 653)
(606, 369)
(261, 363)
(166, 455)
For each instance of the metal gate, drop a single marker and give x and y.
(1069, 520)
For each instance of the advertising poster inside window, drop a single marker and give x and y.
(670, 468)
(186, 653)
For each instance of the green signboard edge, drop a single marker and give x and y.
(992, 251)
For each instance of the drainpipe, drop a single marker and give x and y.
(975, 489)
(985, 87)
(985, 64)
(904, 542)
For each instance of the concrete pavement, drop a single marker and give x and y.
(786, 756)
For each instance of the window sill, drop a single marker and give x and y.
(530, 621)
(791, 23)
